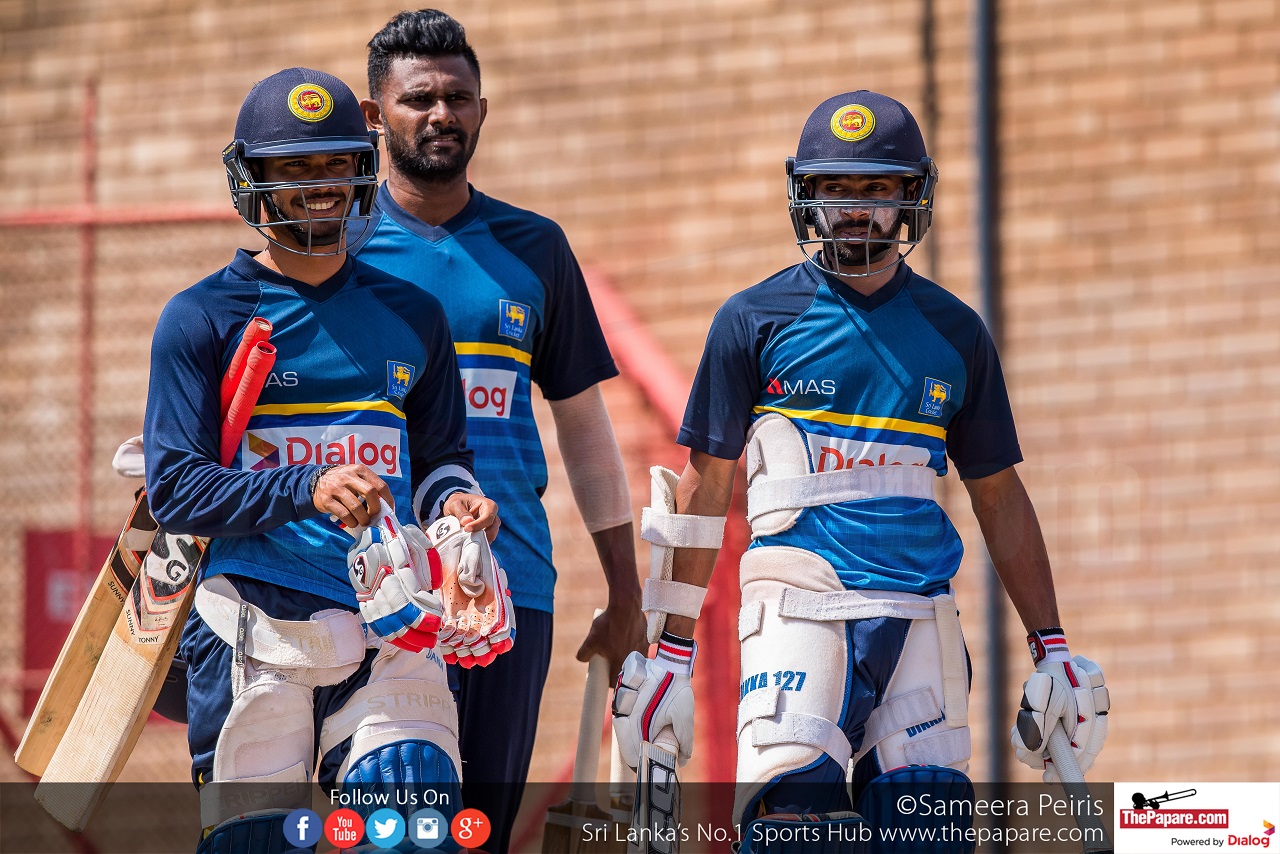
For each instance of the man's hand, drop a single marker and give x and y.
(352, 494)
(1072, 693)
(615, 634)
(653, 694)
(393, 570)
(475, 512)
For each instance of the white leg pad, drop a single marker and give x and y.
(267, 738)
(793, 672)
(924, 717)
(407, 697)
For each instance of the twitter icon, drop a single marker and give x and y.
(385, 828)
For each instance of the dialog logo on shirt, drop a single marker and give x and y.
(488, 392)
(936, 393)
(337, 444)
(399, 379)
(268, 454)
(831, 453)
(512, 319)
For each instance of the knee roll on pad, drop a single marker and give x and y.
(910, 798)
(820, 833)
(413, 768)
(261, 833)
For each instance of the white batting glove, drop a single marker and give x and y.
(393, 570)
(1062, 690)
(653, 694)
(478, 622)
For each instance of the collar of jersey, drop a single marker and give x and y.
(433, 233)
(887, 292)
(247, 265)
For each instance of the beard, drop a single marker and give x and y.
(861, 252)
(409, 158)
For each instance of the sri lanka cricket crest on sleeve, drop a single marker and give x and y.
(520, 315)
(903, 378)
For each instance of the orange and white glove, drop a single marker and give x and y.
(478, 623)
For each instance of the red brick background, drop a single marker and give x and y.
(1140, 192)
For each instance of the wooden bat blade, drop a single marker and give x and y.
(655, 823)
(574, 827)
(105, 728)
(579, 825)
(123, 689)
(84, 644)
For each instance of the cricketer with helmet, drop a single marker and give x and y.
(851, 382)
(310, 656)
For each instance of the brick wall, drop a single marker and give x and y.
(1140, 192)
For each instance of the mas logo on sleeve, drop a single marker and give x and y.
(513, 319)
(399, 379)
(936, 393)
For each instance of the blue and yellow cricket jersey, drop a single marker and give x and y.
(906, 376)
(364, 372)
(520, 314)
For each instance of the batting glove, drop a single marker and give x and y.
(478, 622)
(393, 570)
(653, 694)
(1066, 690)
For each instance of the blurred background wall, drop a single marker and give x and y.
(1141, 258)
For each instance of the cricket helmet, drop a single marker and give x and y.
(860, 133)
(300, 111)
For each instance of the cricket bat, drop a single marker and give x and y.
(655, 820)
(622, 790)
(84, 645)
(123, 688)
(1064, 760)
(88, 637)
(579, 825)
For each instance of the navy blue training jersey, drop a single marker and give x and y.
(906, 376)
(364, 372)
(520, 314)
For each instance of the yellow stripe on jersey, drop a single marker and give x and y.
(867, 421)
(315, 408)
(469, 348)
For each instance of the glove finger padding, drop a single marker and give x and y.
(647, 699)
(478, 622)
(1084, 715)
(393, 569)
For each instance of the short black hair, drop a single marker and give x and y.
(426, 32)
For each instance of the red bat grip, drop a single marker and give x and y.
(256, 331)
(257, 367)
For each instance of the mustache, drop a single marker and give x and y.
(431, 134)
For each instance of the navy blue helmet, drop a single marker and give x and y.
(301, 112)
(860, 133)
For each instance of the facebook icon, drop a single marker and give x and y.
(303, 828)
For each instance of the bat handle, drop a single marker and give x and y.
(666, 739)
(590, 728)
(1095, 835)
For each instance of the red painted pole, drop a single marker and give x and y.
(80, 557)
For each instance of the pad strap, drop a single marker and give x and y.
(902, 712)
(769, 726)
(853, 605)
(836, 487)
(796, 728)
(336, 639)
(681, 531)
(673, 597)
